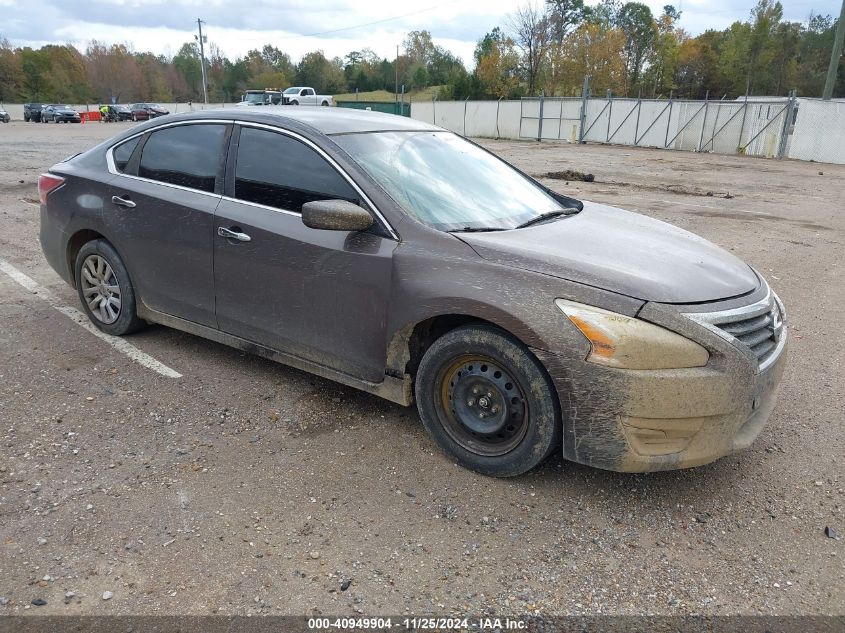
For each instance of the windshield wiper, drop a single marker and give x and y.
(547, 216)
(476, 229)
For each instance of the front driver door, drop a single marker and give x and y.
(320, 295)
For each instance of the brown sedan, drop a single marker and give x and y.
(147, 111)
(401, 259)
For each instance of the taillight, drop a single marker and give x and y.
(46, 184)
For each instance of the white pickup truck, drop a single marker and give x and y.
(300, 95)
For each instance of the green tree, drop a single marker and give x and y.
(663, 59)
(325, 76)
(187, 64)
(564, 16)
(637, 23)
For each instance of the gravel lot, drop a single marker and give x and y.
(246, 487)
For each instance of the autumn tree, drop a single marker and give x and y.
(497, 64)
(11, 72)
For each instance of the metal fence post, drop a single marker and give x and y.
(668, 121)
(465, 116)
(742, 125)
(585, 95)
(497, 117)
(639, 109)
(703, 120)
(787, 121)
(540, 120)
(609, 115)
(434, 110)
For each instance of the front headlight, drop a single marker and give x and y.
(627, 343)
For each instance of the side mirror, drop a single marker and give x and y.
(335, 215)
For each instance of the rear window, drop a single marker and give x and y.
(186, 155)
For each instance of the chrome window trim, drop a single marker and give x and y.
(112, 169)
(712, 320)
(261, 206)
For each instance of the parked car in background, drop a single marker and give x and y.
(300, 95)
(144, 111)
(399, 258)
(59, 113)
(123, 112)
(32, 112)
(260, 98)
(4, 116)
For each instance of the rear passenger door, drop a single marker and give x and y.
(319, 295)
(160, 215)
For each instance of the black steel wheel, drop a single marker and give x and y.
(483, 407)
(487, 401)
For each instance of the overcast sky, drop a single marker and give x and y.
(299, 26)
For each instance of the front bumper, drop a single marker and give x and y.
(649, 420)
(67, 118)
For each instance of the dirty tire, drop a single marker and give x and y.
(127, 320)
(485, 360)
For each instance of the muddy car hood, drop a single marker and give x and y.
(622, 252)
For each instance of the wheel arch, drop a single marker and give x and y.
(79, 239)
(409, 343)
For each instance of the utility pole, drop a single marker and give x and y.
(835, 55)
(201, 40)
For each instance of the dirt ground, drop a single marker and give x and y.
(246, 487)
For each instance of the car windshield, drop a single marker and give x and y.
(447, 182)
(254, 97)
(291, 91)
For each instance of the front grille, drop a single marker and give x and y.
(759, 333)
(758, 327)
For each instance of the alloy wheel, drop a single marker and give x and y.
(100, 289)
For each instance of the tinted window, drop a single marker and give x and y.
(123, 152)
(281, 172)
(186, 155)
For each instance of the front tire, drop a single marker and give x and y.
(105, 290)
(487, 401)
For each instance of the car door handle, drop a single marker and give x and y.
(232, 235)
(123, 202)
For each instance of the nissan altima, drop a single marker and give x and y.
(401, 259)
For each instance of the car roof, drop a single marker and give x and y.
(329, 121)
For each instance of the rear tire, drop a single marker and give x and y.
(487, 401)
(105, 290)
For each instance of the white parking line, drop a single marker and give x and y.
(78, 317)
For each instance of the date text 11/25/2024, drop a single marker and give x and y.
(416, 624)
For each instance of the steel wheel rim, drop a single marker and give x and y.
(482, 405)
(100, 289)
